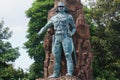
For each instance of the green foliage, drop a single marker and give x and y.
(9, 73)
(105, 38)
(7, 52)
(36, 68)
(4, 32)
(38, 18)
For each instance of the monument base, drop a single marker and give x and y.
(61, 78)
(65, 78)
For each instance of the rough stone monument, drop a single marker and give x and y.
(83, 65)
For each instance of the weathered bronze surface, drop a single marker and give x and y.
(83, 67)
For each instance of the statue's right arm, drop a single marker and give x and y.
(48, 25)
(71, 21)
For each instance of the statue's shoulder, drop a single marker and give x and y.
(55, 14)
(52, 17)
(69, 16)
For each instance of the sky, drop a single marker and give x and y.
(13, 14)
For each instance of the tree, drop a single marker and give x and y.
(105, 39)
(38, 17)
(7, 52)
(9, 73)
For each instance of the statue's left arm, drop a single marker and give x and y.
(72, 25)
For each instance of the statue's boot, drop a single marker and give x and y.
(69, 74)
(56, 71)
(54, 75)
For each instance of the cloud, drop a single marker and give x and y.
(23, 61)
(13, 12)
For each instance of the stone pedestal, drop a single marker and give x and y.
(62, 78)
(65, 78)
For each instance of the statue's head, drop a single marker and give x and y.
(61, 4)
(61, 7)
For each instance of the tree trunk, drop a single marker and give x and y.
(83, 67)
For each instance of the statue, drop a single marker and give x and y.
(83, 66)
(64, 28)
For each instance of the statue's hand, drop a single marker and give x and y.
(70, 34)
(38, 34)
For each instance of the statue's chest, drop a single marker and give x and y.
(60, 20)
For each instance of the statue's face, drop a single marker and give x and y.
(61, 8)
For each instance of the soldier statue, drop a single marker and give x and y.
(64, 28)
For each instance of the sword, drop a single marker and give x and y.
(74, 52)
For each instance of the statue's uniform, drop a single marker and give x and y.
(64, 28)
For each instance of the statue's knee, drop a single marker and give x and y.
(57, 58)
(67, 54)
(68, 57)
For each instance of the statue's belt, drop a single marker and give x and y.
(61, 32)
